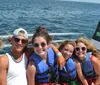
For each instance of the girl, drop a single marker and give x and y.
(87, 62)
(42, 68)
(68, 75)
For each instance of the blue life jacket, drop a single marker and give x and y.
(68, 72)
(46, 72)
(87, 67)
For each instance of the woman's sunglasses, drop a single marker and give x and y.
(82, 48)
(24, 41)
(37, 45)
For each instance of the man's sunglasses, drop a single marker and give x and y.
(24, 41)
(37, 45)
(82, 48)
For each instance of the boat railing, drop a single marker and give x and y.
(58, 37)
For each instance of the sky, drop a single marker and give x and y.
(92, 1)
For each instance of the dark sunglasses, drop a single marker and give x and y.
(82, 48)
(22, 40)
(37, 45)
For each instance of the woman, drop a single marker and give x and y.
(68, 75)
(42, 68)
(87, 62)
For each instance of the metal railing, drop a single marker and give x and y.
(58, 37)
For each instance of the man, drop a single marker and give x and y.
(13, 64)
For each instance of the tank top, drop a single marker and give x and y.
(16, 74)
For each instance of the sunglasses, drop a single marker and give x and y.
(82, 48)
(22, 40)
(37, 45)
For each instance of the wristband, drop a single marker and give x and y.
(58, 54)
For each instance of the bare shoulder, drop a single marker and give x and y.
(94, 59)
(95, 62)
(31, 64)
(31, 67)
(3, 57)
(3, 61)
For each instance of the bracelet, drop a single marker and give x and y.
(58, 54)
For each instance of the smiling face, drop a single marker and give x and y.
(67, 51)
(19, 43)
(81, 50)
(40, 46)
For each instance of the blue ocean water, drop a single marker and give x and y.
(56, 16)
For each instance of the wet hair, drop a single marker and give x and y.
(89, 45)
(41, 31)
(67, 42)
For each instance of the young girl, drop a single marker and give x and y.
(68, 75)
(87, 63)
(42, 68)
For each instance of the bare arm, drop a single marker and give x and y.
(3, 69)
(96, 65)
(31, 71)
(60, 58)
(80, 74)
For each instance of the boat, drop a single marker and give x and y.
(96, 37)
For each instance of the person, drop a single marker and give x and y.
(42, 67)
(87, 62)
(68, 75)
(13, 64)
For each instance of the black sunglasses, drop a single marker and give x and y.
(22, 40)
(82, 48)
(37, 45)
